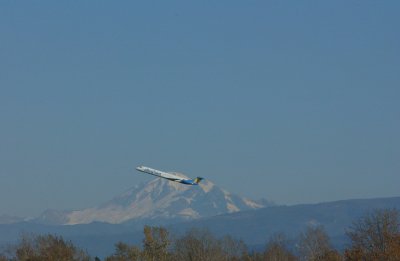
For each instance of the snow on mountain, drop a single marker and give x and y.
(158, 199)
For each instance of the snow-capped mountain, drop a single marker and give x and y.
(156, 200)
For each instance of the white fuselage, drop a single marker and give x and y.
(166, 175)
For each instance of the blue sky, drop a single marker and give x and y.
(294, 101)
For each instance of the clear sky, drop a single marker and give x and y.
(293, 101)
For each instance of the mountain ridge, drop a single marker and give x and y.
(254, 227)
(157, 199)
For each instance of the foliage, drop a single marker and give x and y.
(155, 244)
(48, 248)
(124, 252)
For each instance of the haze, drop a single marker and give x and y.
(295, 102)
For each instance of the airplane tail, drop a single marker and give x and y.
(197, 180)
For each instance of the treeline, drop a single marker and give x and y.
(375, 236)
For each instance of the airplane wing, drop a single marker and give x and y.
(169, 176)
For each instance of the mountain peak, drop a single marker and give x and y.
(163, 200)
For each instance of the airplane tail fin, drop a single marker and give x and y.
(197, 180)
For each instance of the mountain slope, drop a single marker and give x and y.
(160, 200)
(256, 226)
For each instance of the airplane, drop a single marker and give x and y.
(169, 176)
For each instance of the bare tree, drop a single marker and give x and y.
(375, 236)
(314, 245)
(277, 250)
(232, 249)
(198, 245)
(124, 252)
